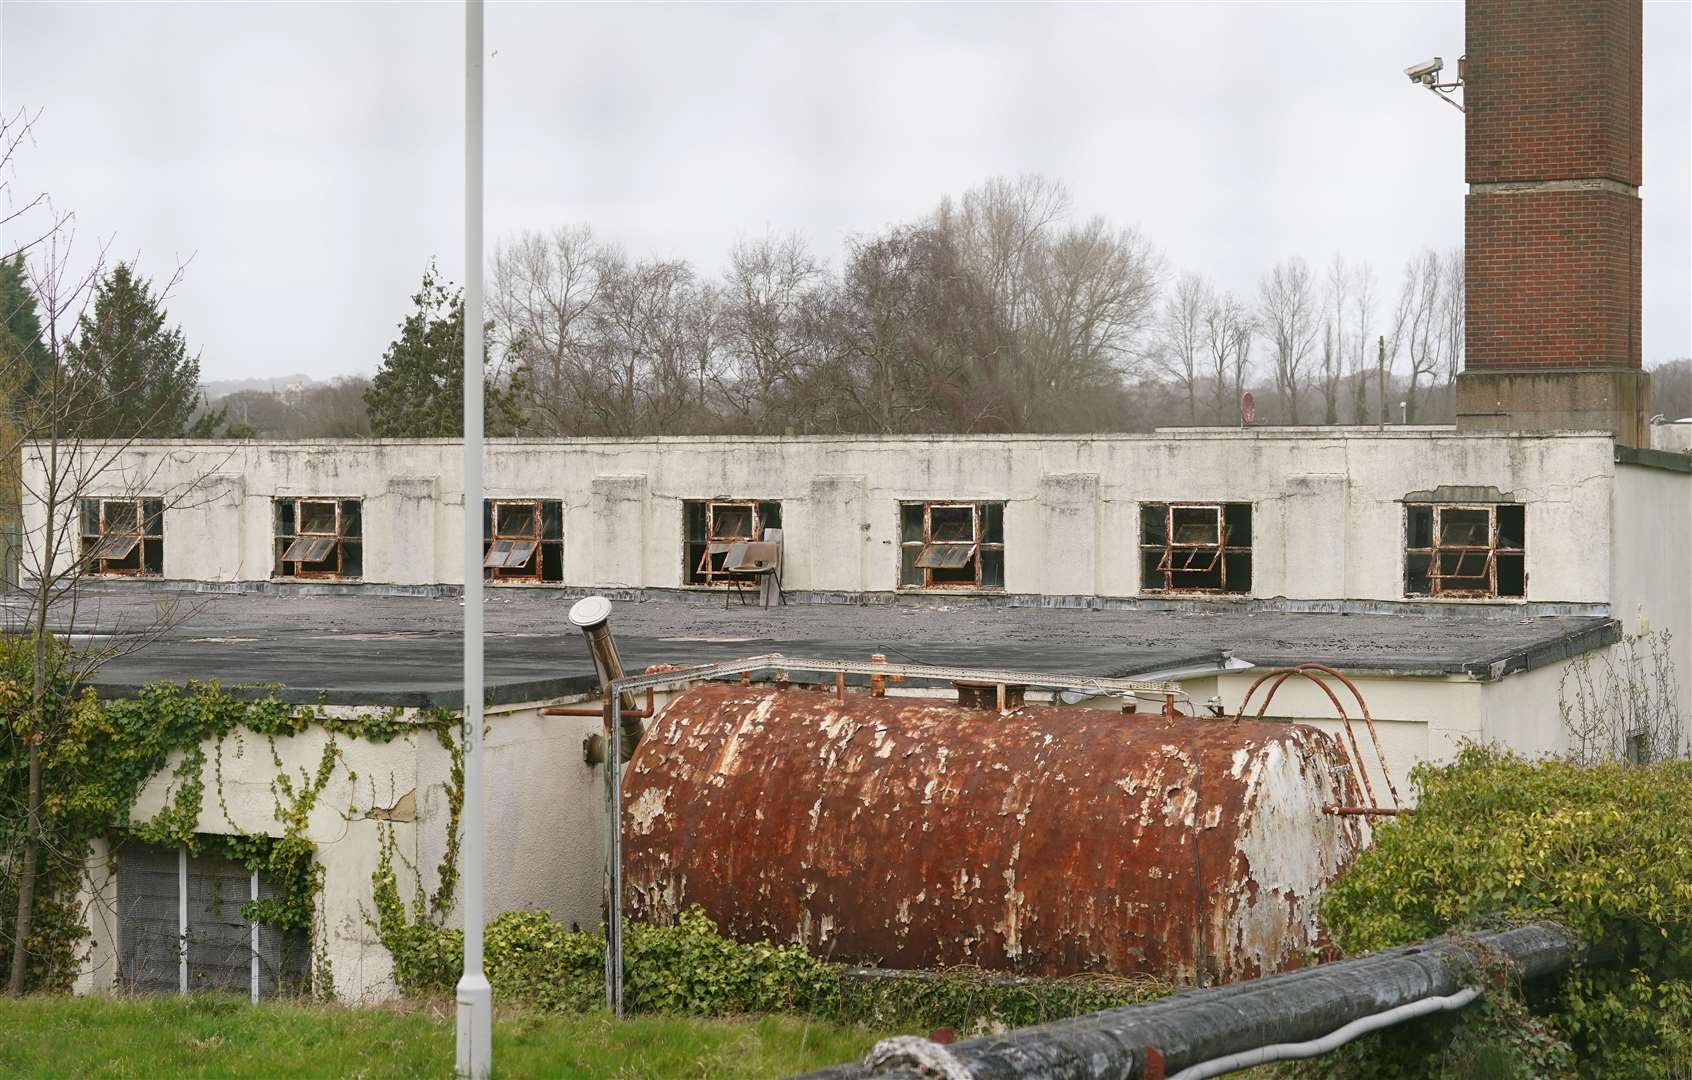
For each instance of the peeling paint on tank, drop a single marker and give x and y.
(886, 815)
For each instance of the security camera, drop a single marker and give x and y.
(1426, 72)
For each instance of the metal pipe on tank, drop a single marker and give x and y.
(593, 615)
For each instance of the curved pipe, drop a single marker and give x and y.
(1329, 1042)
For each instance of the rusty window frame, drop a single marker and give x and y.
(340, 545)
(919, 558)
(1464, 569)
(122, 537)
(526, 556)
(704, 553)
(1169, 561)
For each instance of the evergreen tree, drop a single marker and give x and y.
(418, 393)
(24, 360)
(134, 376)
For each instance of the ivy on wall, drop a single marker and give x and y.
(97, 756)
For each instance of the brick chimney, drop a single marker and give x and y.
(1552, 93)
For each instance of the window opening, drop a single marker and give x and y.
(523, 540)
(711, 527)
(123, 537)
(1465, 551)
(950, 545)
(1195, 547)
(319, 538)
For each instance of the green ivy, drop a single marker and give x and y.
(97, 756)
(1605, 849)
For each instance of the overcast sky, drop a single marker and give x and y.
(309, 157)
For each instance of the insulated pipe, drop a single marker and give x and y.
(1200, 1026)
(1329, 1042)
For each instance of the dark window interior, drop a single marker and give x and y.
(710, 527)
(318, 538)
(1195, 547)
(122, 537)
(523, 540)
(945, 545)
(1465, 551)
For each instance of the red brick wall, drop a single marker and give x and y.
(1553, 93)
(1553, 89)
(1552, 279)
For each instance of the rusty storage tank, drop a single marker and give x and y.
(917, 833)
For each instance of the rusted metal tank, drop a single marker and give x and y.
(916, 833)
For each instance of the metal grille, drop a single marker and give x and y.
(218, 938)
(148, 926)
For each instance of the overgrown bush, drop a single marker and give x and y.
(690, 968)
(1605, 849)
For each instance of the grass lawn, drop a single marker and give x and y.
(219, 1036)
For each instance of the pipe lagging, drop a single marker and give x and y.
(1329, 1042)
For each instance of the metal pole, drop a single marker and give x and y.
(475, 996)
(253, 932)
(614, 860)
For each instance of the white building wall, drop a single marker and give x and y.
(1652, 570)
(545, 814)
(1328, 519)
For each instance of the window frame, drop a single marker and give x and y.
(282, 543)
(705, 572)
(1490, 551)
(533, 570)
(1222, 548)
(147, 535)
(977, 544)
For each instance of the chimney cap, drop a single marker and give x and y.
(590, 611)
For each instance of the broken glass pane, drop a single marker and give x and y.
(732, 519)
(951, 523)
(122, 517)
(317, 517)
(1198, 525)
(945, 556)
(1464, 528)
(516, 519)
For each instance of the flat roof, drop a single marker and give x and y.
(405, 650)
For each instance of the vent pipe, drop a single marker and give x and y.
(593, 615)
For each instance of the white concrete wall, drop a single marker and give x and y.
(545, 814)
(1676, 438)
(1327, 520)
(1652, 570)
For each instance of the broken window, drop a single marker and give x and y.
(122, 537)
(523, 540)
(319, 538)
(710, 527)
(1195, 547)
(1474, 551)
(947, 545)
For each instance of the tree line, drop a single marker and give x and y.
(1000, 311)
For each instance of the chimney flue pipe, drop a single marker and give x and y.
(593, 615)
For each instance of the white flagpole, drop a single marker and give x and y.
(475, 997)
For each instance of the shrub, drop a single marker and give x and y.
(1605, 849)
(690, 969)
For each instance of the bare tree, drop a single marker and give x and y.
(1357, 334)
(769, 307)
(1179, 349)
(1287, 315)
(1073, 299)
(1227, 341)
(1623, 704)
(1418, 329)
(544, 289)
(1451, 304)
(51, 401)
